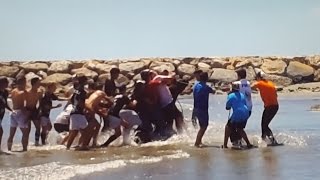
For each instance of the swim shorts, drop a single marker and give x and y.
(45, 121)
(113, 122)
(61, 127)
(237, 125)
(18, 119)
(130, 116)
(78, 122)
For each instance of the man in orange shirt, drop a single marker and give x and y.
(269, 97)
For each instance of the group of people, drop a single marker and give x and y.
(239, 100)
(149, 109)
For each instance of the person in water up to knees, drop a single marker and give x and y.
(3, 102)
(45, 109)
(33, 97)
(240, 114)
(78, 121)
(19, 115)
(269, 97)
(201, 105)
(244, 88)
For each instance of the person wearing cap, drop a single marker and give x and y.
(110, 87)
(244, 88)
(201, 105)
(3, 102)
(269, 97)
(240, 114)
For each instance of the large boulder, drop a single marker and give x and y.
(59, 78)
(204, 67)
(9, 71)
(223, 75)
(186, 69)
(219, 63)
(274, 67)
(313, 61)
(60, 67)
(279, 80)
(317, 75)
(98, 66)
(34, 67)
(161, 66)
(87, 72)
(128, 67)
(299, 69)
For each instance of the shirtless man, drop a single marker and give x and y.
(97, 103)
(3, 102)
(33, 97)
(19, 115)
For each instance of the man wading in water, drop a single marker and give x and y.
(19, 116)
(269, 97)
(33, 97)
(3, 102)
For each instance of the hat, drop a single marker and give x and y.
(261, 74)
(235, 86)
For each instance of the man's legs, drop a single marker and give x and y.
(117, 133)
(10, 138)
(267, 116)
(200, 134)
(37, 132)
(25, 138)
(72, 135)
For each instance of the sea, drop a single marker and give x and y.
(177, 159)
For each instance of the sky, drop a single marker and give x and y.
(111, 29)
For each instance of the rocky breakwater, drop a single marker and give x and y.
(290, 74)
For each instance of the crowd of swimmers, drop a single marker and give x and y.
(149, 109)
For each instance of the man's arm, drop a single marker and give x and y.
(229, 102)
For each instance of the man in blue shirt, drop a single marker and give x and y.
(196, 75)
(201, 93)
(240, 114)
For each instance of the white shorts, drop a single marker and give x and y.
(78, 122)
(45, 121)
(114, 122)
(63, 118)
(130, 116)
(18, 119)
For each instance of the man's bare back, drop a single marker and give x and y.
(32, 98)
(18, 99)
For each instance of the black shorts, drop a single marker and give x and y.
(171, 111)
(61, 127)
(237, 125)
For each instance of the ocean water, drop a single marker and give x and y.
(295, 126)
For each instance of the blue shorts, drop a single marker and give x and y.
(202, 116)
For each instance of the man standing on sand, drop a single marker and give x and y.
(19, 115)
(33, 97)
(269, 97)
(201, 105)
(3, 102)
(110, 85)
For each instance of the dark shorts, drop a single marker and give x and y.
(202, 116)
(33, 114)
(171, 111)
(61, 127)
(237, 125)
